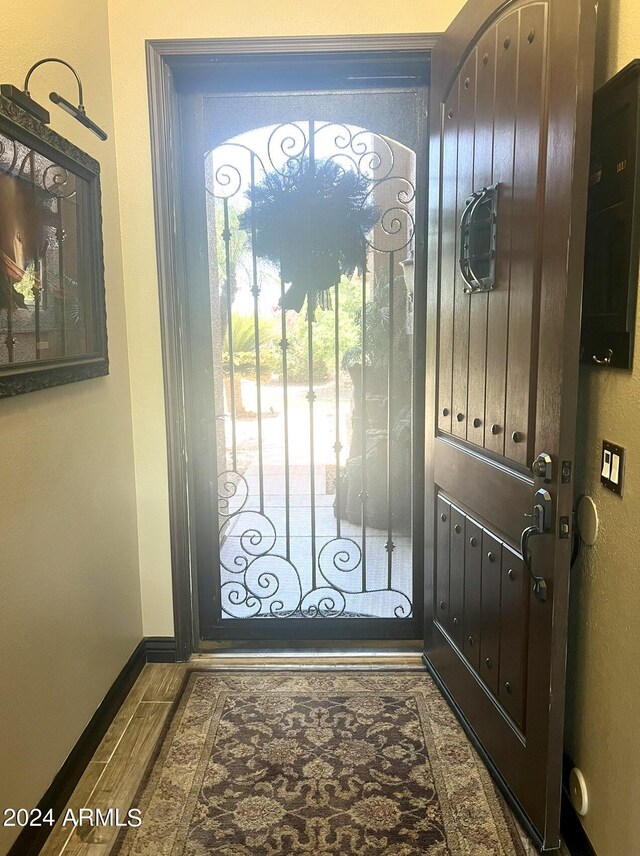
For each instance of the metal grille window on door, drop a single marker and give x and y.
(312, 370)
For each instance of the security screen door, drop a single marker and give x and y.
(302, 211)
(510, 111)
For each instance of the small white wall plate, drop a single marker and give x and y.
(588, 520)
(578, 792)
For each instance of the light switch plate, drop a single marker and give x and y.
(612, 467)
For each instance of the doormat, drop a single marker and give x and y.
(258, 764)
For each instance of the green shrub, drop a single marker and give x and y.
(323, 332)
(244, 344)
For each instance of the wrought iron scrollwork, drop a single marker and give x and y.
(57, 181)
(356, 150)
(19, 160)
(261, 572)
(263, 584)
(233, 492)
(8, 154)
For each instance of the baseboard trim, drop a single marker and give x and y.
(573, 832)
(161, 649)
(32, 838)
(152, 649)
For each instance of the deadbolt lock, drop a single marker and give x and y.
(542, 510)
(542, 467)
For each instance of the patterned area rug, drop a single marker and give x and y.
(348, 763)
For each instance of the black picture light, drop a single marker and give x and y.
(23, 99)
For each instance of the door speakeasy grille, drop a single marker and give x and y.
(310, 239)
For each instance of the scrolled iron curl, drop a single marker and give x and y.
(55, 179)
(342, 135)
(253, 540)
(292, 149)
(252, 534)
(326, 605)
(395, 219)
(338, 158)
(262, 586)
(7, 164)
(229, 483)
(227, 177)
(393, 222)
(241, 563)
(273, 577)
(344, 556)
(403, 610)
(405, 192)
(406, 197)
(376, 160)
(266, 579)
(355, 163)
(233, 593)
(344, 139)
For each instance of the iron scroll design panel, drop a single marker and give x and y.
(268, 585)
(288, 144)
(258, 577)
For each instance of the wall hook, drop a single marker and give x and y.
(605, 361)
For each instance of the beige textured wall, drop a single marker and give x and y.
(69, 587)
(130, 25)
(604, 672)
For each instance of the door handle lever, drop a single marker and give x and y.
(539, 584)
(540, 526)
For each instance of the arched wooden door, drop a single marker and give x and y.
(510, 113)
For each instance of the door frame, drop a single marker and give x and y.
(163, 57)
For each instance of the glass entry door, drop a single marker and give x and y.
(309, 211)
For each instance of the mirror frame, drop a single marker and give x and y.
(18, 378)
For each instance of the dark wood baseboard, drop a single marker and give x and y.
(573, 833)
(153, 649)
(32, 838)
(161, 649)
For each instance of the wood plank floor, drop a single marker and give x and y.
(115, 771)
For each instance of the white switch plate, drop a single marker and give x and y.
(612, 467)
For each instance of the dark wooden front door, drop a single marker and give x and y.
(510, 114)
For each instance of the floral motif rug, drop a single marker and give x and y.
(348, 763)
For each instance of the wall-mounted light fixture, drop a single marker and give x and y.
(23, 99)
